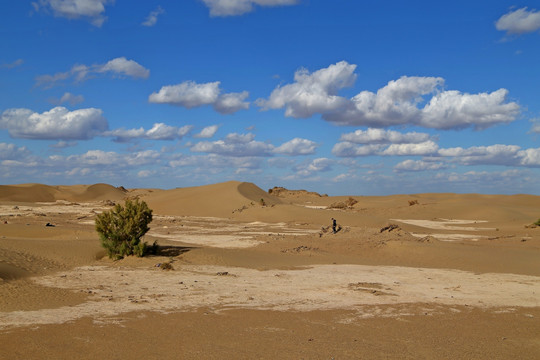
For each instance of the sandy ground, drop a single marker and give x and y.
(259, 276)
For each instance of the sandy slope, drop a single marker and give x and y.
(270, 269)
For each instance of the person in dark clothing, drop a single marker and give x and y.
(334, 225)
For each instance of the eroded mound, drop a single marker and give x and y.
(283, 192)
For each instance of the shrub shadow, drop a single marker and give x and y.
(171, 250)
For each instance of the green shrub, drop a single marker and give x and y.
(121, 229)
(537, 223)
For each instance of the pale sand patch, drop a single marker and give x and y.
(219, 232)
(53, 208)
(452, 237)
(113, 291)
(220, 241)
(446, 224)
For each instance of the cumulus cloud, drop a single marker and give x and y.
(189, 94)
(384, 142)
(484, 155)
(314, 167)
(152, 18)
(312, 93)
(394, 104)
(297, 146)
(215, 163)
(418, 165)
(207, 132)
(95, 158)
(12, 152)
(380, 136)
(453, 110)
(235, 145)
(510, 180)
(123, 66)
(159, 131)
(425, 148)
(116, 67)
(519, 21)
(242, 145)
(56, 124)
(349, 149)
(231, 103)
(529, 157)
(93, 10)
(239, 7)
(417, 101)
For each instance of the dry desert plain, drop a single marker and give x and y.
(257, 275)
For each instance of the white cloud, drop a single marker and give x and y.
(207, 132)
(398, 103)
(123, 66)
(519, 21)
(417, 101)
(425, 148)
(384, 142)
(108, 159)
(159, 131)
(529, 157)
(145, 173)
(239, 7)
(12, 152)
(452, 110)
(511, 180)
(56, 124)
(484, 155)
(312, 93)
(394, 104)
(235, 145)
(231, 103)
(418, 165)
(75, 9)
(117, 67)
(152, 18)
(189, 94)
(297, 146)
(342, 177)
(349, 149)
(70, 99)
(313, 167)
(380, 136)
(214, 163)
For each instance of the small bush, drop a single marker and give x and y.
(537, 223)
(121, 229)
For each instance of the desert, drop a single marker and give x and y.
(260, 274)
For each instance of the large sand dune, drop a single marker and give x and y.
(29, 193)
(211, 200)
(433, 276)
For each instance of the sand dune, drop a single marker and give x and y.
(29, 193)
(210, 200)
(240, 255)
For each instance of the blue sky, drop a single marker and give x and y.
(342, 97)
